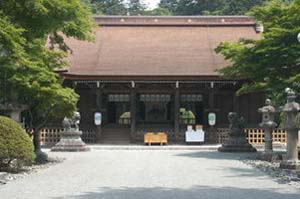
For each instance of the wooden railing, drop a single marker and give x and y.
(254, 135)
(50, 136)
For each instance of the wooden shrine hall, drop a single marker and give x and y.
(158, 74)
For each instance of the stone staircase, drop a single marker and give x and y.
(115, 135)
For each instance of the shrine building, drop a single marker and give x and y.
(158, 74)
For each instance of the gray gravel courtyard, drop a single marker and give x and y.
(148, 174)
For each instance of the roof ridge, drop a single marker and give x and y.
(175, 20)
(174, 16)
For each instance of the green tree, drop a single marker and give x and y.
(209, 7)
(15, 145)
(232, 7)
(272, 62)
(170, 5)
(136, 7)
(30, 64)
(107, 7)
(158, 12)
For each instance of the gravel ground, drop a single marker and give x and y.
(27, 170)
(148, 174)
(272, 169)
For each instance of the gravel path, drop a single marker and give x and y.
(136, 174)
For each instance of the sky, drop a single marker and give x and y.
(151, 3)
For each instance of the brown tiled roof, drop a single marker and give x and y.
(157, 46)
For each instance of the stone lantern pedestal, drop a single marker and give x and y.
(71, 141)
(291, 124)
(236, 141)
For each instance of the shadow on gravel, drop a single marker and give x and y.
(197, 192)
(217, 155)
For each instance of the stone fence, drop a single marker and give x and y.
(50, 136)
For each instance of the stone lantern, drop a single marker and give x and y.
(268, 124)
(70, 138)
(14, 110)
(291, 111)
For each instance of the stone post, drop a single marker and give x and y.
(291, 111)
(268, 124)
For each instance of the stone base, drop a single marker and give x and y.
(70, 142)
(288, 164)
(236, 143)
(237, 148)
(270, 157)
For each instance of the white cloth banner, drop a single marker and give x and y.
(194, 136)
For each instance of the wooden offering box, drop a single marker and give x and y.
(160, 138)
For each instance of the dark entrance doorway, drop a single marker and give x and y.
(191, 109)
(154, 109)
(111, 109)
(118, 109)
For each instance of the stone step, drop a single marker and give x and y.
(115, 135)
(130, 146)
(112, 142)
(116, 138)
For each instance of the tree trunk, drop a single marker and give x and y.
(36, 140)
(41, 157)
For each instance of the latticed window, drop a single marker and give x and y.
(191, 98)
(118, 98)
(155, 98)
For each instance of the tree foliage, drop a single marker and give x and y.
(15, 145)
(32, 48)
(209, 7)
(106, 7)
(272, 62)
(136, 7)
(173, 7)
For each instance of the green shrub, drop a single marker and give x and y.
(16, 148)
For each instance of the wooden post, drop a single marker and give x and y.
(99, 108)
(176, 110)
(133, 110)
(236, 107)
(211, 96)
(211, 103)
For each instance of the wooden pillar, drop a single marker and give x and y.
(99, 108)
(133, 110)
(211, 96)
(211, 137)
(99, 100)
(236, 107)
(176, 110)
